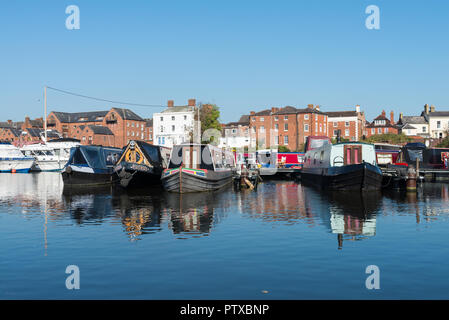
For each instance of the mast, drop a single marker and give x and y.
(45, 113)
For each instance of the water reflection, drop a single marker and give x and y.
(350, 216)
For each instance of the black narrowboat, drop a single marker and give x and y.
(197, 168)
(141, 164)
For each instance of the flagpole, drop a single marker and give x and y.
(45, 112)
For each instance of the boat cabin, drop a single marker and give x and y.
(340, 154)
(100, 159)
(201, 156)
(432, 158)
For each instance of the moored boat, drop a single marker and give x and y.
(141, 164)
(46, 159)
(91, 166)
(12, 160)
(197, 168)
(342, 166)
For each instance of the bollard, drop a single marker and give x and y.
(411, 180)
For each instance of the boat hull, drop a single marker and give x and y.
(185, 180)
(16, 165)
(363, 176)
(74, 177)
(132, 175)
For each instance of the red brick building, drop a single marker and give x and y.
(350, 123)
(381, 125)
(287, 126)
(124, 125)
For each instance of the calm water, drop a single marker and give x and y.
(285, 241)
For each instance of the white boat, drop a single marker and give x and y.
(12, 160)
(46, 159)
(62, 148)
(52, 156)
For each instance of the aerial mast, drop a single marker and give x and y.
(45, 113)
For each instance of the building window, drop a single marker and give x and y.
(162, 129)
(321, 128)
(424, 129)
(285, 140)
(335, 133)
(306, 117)
(162, 118)
(438, 124)
(185, 117)
(276, 118)
(262, 129)
(379, 130)
(262, 119)
(172, 128)
(285, 126)
(306, 127)
(316, 127)
(347, 124)
(335, 123)
(276, 127)
(253, 119)
(347, 132)
(173, 118)
(254, 129)
(285, 117)
(373, 131)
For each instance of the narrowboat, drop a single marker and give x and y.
(12, 160)
(197, 168)
(141, 164)
(428, 158)
(386, 153)
(91, 166)
(342, 166)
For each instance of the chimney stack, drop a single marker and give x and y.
(170, 103)
(317, 108)
(432, 108)
(310, 106)
(252, 113)
(400, 116)
(392, 117)
(426, 108)
(273, 110)
(357, 108)
(192, 102)
(383, 113)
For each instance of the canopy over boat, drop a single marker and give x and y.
(100, 159)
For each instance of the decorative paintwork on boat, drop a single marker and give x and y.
(141, 164)
(196, 168)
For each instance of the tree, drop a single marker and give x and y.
(283, 149)
(209, 115)
(389, 138)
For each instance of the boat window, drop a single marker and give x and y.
(152, 152)
(322, 155)
(111, 157)
(78, 158)
(414, 154)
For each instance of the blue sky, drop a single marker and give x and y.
(241, 55)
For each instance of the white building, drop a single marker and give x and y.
(438, 121)
(175, 125)
(414, 126)
(236, 134)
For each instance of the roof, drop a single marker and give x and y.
(178, 109)
(413, 120)
(34, 132)
(100, 130)
(408, 126)
(337, 114)
(286, 110)
(266, 112)
(149, 122)
(439, 114)
(244, 120)
(127, 114)
(16, 132)
(92, 116)
(310, 110)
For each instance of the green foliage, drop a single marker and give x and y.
(283, 149)
(444, 143)
(209, 115)
(389, 138)
(334, 140)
